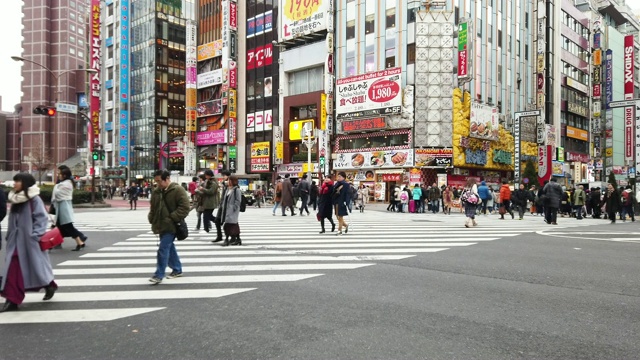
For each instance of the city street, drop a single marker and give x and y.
(401, 286)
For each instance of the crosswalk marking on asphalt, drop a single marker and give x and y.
(275, 249)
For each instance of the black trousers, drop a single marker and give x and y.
(551, 214)
(304, 204)
(199, 219)
(68, 230)
(207, 218)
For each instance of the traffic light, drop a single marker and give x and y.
(101, 154)
(44, 110)
(96, 155)
(321, 161)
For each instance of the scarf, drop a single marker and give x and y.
(63, 191)
(20, 197)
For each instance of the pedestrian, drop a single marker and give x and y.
(404, 200)
(325, 204)
(579, 200)
(198, 201)
(447, 200)
(612, 202)
(470, 200)
(193, 186)
(304, 189)
(434, 198)
(313, 195)
(483, 192)
(278, 197)
(505, 200)
(363, 193)
(628, 200)
(533, 196)
(62, 202)
(259, 195)
(169, 205)
(217, 220)
(491, 201)
(231, 212)
(209, 192)
(133, 192)
(519, 199)
(392, 200)
(287, 196)
(417, 195)
(340, 196)
(595, 200)
(26, 267)
(397, 193)
(540, 200)
(553, 196)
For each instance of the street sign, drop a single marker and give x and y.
(622, 103)
(67, 108)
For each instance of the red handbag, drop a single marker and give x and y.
(50, 239)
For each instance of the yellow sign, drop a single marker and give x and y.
(279, 150)
(210, 50)
(300, 9)
(191, 123)
(609, 152)
(540, 99)
(232, 103)
(597, 57)
(576, 133)
(260, 150)
(540, 63)
(323, 111)
(296, 129)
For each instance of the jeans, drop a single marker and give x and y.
(521, 210)
(578, 210)
(484, 206)
(275, 206)
(435, 206)
(167, 255)
(304, 204)
(628, 210)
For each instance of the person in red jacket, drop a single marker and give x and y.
(505, 199)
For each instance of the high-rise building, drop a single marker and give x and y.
(55, 37)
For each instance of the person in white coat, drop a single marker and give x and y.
(61, 200)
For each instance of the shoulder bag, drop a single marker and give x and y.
(182, 231)
(51, 238)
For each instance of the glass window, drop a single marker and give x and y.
(72, 4)
(351, 29)
(80, 42)
(391, 18)
(72, 27)
(80, 54)
(411, 53)
(72, 39)
(72, 51)
(369, 24)
(80, 31)
(72, 15)
(306, 81)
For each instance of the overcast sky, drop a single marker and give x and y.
(10, 43)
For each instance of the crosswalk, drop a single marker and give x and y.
(112, 282)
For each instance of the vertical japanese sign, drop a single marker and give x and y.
(191, 78)
(124, 83)
(629, 56)
(94, 96)
(463, 51)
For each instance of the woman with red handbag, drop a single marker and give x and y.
(61, 200)
(26, 267)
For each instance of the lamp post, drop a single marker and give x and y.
(56, 83)
(309, 141)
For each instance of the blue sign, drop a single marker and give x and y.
(124, 137)
(108, 41)
(268, 21)
(608, 77)
(251, 27)
(108, 84)
(124, 82)
(108, 126)
(596, 40)
(82, 100)
(259, 24)
(243, 182)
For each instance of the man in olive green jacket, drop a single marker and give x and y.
(210, 193)
(579, 199)
(169, 205)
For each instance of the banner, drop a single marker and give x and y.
(434, 157)
(463, 53)
(259, 57)
(372, 94)
(260, 156)
(374, 159)
(629, 59)
(484, 122)
(208, 108)
(210, 50)
(608, 78)
(213, 137)
(94, 93)
(302, 17)
(210, 78)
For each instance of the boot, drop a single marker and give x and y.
(466, 223)
(9, 306)
(226, 241)
(473, 222)
(236, 241)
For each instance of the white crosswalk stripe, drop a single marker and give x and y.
(275, 249)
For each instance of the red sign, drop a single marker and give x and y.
(94, 91)
(540, 81)
(573, 156)
(597, 90)
(233, 75)
(462, 64)
(233, 15)
(628, 67)
(391, 177)
(383, 90)
(544, 163)
(628, 133)
(259, 57)
(329, 64)
(364, 124)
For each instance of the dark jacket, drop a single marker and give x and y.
(313, 192)
(210, 194)
(342, 187)
(134, 192)
(162, 219)
(519, 197)
(3, 210)
(325, 204)
(612, 201)
(303, 187)
(553, 194)
(434, 193)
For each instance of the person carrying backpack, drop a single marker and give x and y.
(340, 196)
(231, 208)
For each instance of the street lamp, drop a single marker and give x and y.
(56, 77)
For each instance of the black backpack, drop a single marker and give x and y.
(243, 202)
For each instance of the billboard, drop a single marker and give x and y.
(213, 137)
(434, 157)
(124, 82)
(191, 83)
(259, 57)
(301, 17)
(208, 108)
(608, 77)
(629, 58)
(463, 50)
(372, 94)
(210, 78)
(260, 156)
(484, 122)
(210, 50)
(374, 159)
(94, 93)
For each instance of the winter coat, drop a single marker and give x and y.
(417, 193)
(278, 192)
(61, 199)
(612, 201)
(25, 228)
(483, 191)
(505, 193)
(434, 194)
(134, 192)
(325, 204)
(447, 197)
(162, 219)
(396, 194)
(343, 199)
(553, 194)
(520, 197)
(287, 193)
(304, 189)
(210, 194)
(231, 206)
(313, 192)
(595, 197)
(579, 197)
(3, 211)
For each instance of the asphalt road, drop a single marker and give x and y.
(530, 296)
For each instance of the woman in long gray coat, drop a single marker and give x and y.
(61, 200)
(26, 267)
(231, 212)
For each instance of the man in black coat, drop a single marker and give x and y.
(519, 199)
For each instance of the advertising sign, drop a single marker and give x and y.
(608, 78)
(259, 119)
(597, 91)
(94, 93)
(296, 129)
(372, 94)
(544, 163)
(463, 54)
(484, 122)
(434, 158)
(210, 78)
(629, 59)
(251, 122)
(597, 57)
(191, 120)
(233, 15)
(233, 131)
(260, 156)
(629, 142)
(268, 119)
(191, 83)
(259, 57)
(251, 27)
(576, 133)
(379, 123)
(208, 108)
(210, 50)
(301, 17)
(213, 137)
(124, 82)
(233, 74)
(374, 159)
